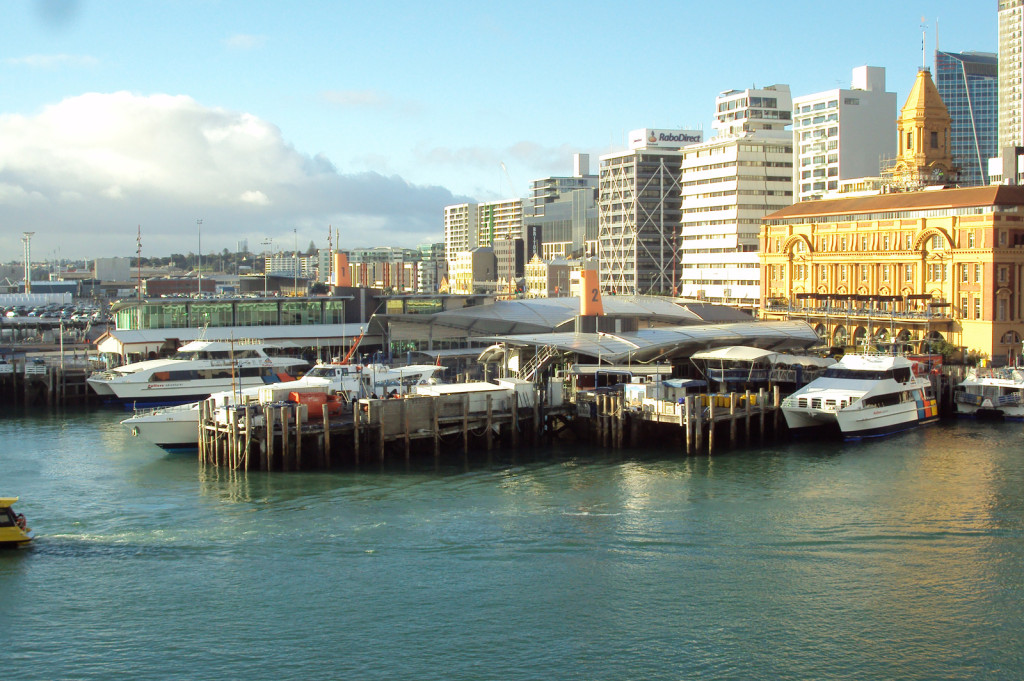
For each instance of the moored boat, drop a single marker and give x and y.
(14, 530)
(177, 427)
(196, 371)
(986, 391)
(863, 396)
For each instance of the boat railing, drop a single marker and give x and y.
(147, 411)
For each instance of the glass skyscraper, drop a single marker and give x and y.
(968, 84)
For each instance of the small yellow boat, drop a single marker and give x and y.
(14, 531)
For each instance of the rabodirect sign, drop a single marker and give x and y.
(670, 139)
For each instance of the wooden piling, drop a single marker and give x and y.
(405, 422)
(490, 431)
(285, 440)
(266, 457)
(686, 420)
(298, 437)
(465, 424)
(357, 410)
(380, 428)
(762, 397)
(515, 419)
(732, 420)
(746, 408)
(711, 425)
(698, 425)
(437, 430)
(327, 439)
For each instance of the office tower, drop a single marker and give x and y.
(968, 84)
(842, 134)
(728, 184)
(639, 208)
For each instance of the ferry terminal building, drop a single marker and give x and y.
(942, 264)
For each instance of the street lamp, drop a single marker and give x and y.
(295, 263)
(199, 226)
(266, 242)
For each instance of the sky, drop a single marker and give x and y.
(279, 122)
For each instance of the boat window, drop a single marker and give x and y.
(885, 400)
(6, 518)
(321, 372)
(856, 374)
(901, 374)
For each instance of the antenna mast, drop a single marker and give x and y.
(924, 53)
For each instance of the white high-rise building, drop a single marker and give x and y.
(459, 230)
(728, 184)
(843, 134)
(638, 212)
(1011, 73)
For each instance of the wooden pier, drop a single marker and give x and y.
(49, 381)
(281, 436)
(697, 422)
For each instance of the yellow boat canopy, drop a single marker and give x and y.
(6, 502)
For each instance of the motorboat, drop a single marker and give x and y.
(863, 396)
(177, 427)
(987, 391)
(197, 370)
(14, 530)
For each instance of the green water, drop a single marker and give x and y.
(896, 559)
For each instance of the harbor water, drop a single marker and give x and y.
(901, 558)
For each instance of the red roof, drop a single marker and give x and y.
(991, 195)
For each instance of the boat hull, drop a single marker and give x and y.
(855, 423)
(174, 431)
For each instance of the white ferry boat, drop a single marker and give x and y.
(863, 396)
(991, 392)
(197, 370)
(177, 427)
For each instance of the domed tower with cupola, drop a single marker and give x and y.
(925, 153)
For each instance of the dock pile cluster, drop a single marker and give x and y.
(291, 436)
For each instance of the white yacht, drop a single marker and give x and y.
(991, 392)
(177, 427)
(863, 396)
(197, 370)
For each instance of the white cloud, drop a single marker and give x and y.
(358, 99)
(52, 61)
(243, 41)
(85, 172)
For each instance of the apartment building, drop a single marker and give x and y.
(842, 134)
(728, 184)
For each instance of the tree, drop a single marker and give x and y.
(311, 249)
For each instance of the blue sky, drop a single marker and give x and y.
(275, 120)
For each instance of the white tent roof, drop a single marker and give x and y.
(741, 353)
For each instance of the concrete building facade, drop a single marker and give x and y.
(842, 134)
(728, 184)
(1011, 73)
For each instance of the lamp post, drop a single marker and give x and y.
(295, 263)
(266, 242)
(199, 227)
